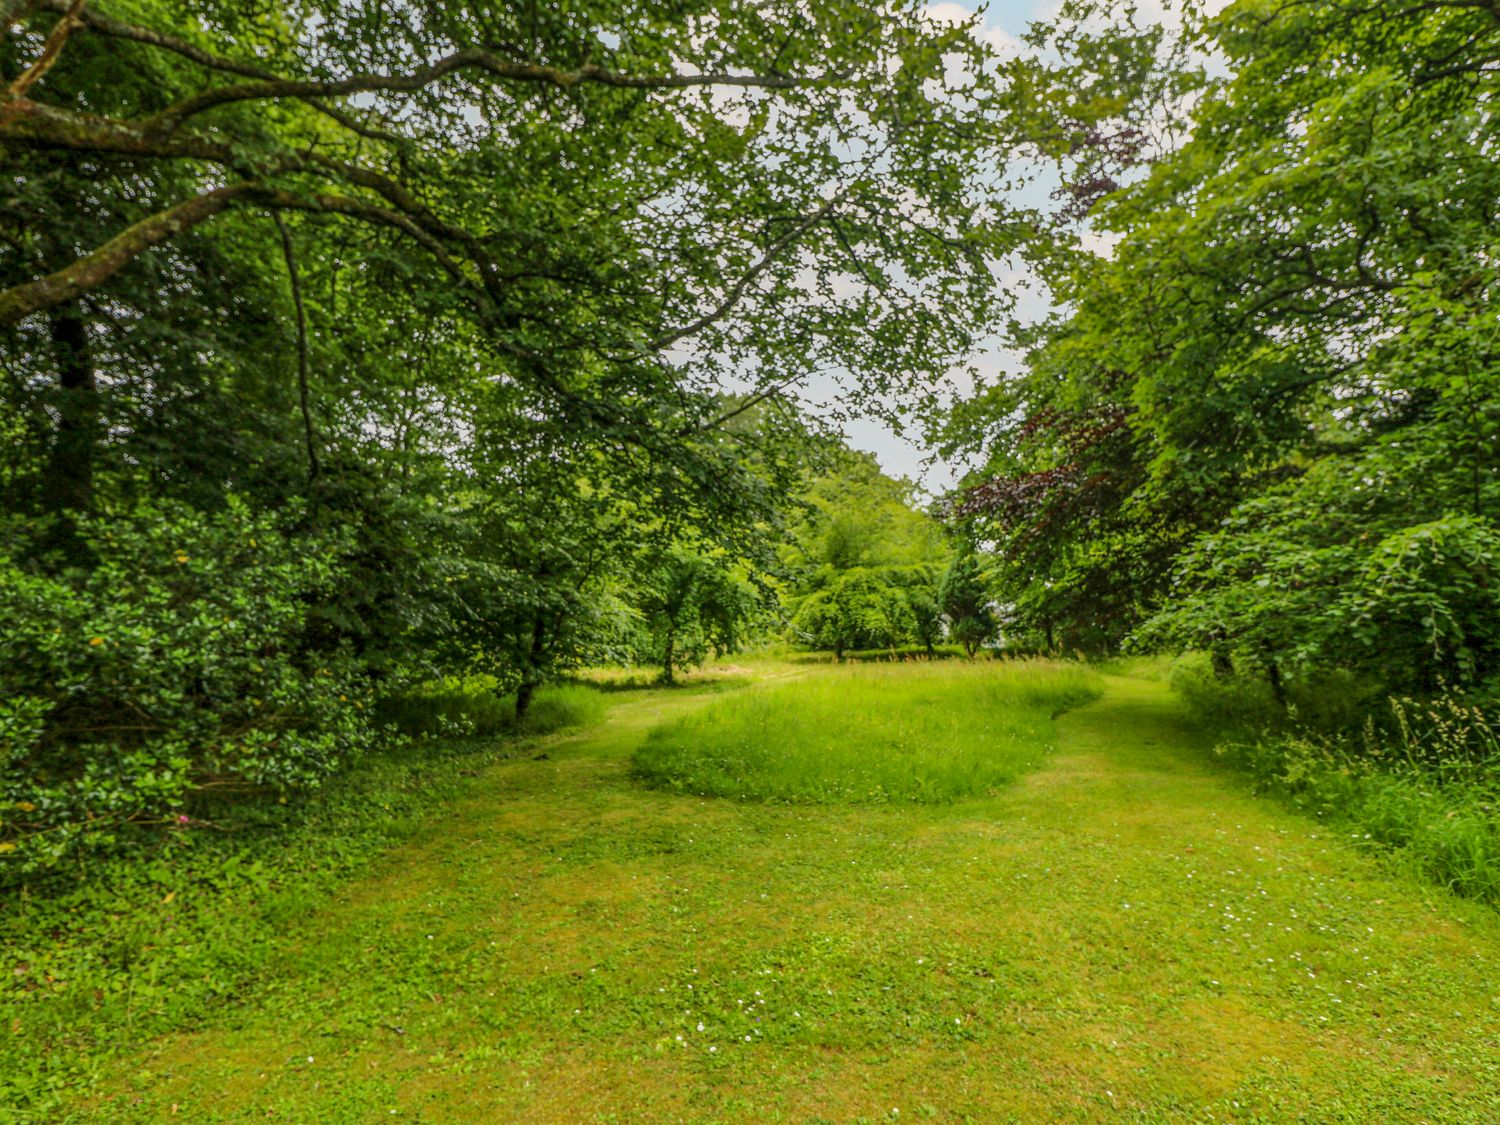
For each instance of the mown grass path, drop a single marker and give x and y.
(1125, 934)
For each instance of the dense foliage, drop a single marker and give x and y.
(692, 603)
(351, 349)
(175, 656)
(1265, 423)
(868, 570)
(480, 322)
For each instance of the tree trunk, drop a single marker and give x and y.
(524, 695)
(1278, 687)
(1219, 656)
(666, 664)
(69, 484)
(531, 677)
(288, 252)
(1047, 627)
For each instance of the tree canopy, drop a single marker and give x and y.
(429, 339)
(354, 348)
(1264, 421)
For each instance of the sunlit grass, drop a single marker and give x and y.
(1126, 934)
(923, 732)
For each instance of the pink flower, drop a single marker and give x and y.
(182, 818)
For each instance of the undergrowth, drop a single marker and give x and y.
(472, 708)
(897, 654)
(922, 732)
(1417, 778)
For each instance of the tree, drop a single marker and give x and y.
(966, 599)
(775, 151)
(857, 516)
(858, 609)
(692, 603)
(461, 288)
(861, 564)
(1266, 423)
(550, 524)
(923, 599)
(1057, 501)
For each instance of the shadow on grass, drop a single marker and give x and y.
(636, 682)
(903, 655)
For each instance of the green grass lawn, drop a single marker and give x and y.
(1122, 933)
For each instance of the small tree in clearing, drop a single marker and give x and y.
(692, 604)
(859, 610)
(965, 596)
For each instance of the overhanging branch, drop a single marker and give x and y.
(738, 289)
(468, 59)
(51, 49)
(92, 269)
(116, 29)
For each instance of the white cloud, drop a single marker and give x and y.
(1102, 243)
(985, 28)
(1167, 12)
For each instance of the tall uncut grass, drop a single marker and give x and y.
(1418, 778)
(917, 732)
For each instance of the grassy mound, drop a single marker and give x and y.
(870, 734)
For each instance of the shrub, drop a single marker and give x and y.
(861, 609)
(1234, 704)
(1245, 703)
(173, 660)
(965, 595)
(1447, 833)
(453, 708)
